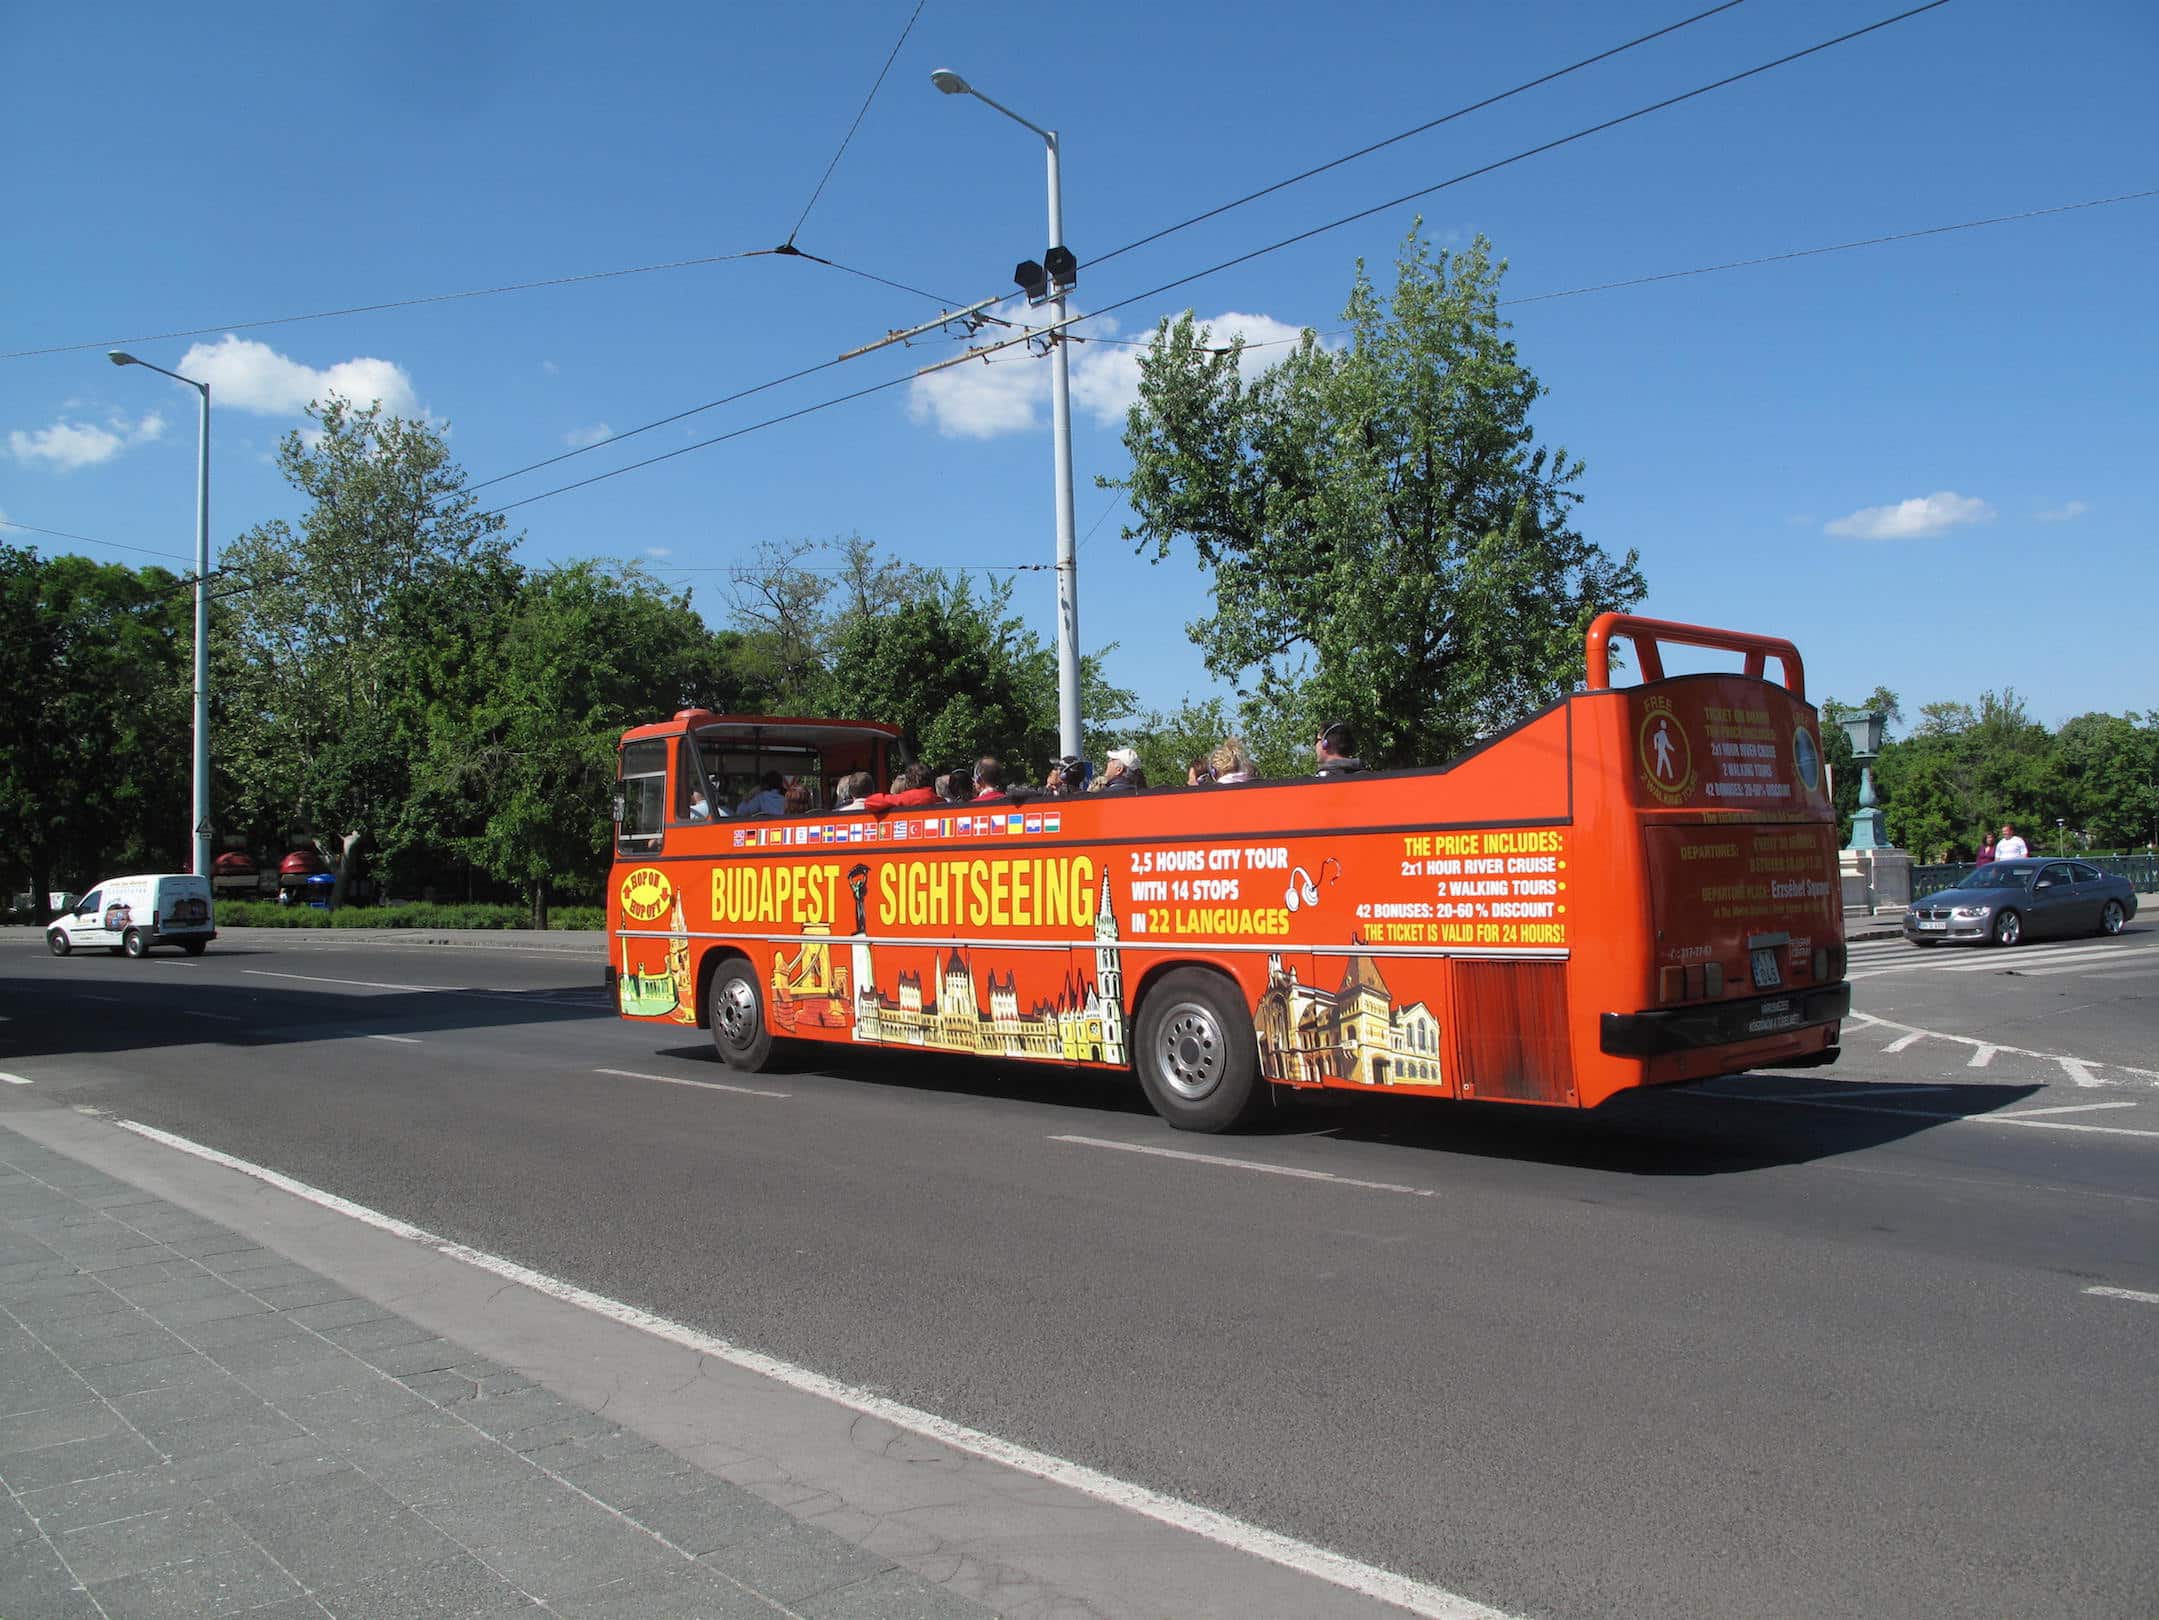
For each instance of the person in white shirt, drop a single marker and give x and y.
(2010, 847)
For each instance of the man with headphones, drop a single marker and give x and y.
(1337, 751)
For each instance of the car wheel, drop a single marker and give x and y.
(194, 947)
(2113, 918)
(735, 1013)
(2009, 929)
(1197, 1057)
(57, 942)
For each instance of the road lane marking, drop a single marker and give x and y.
(402, 1040)
(115, 1000)
(16, 1079)
(1870, 1091)
(215, 1018)
(593, 1002)
(1902, 1041)
(364, 984)
(1223, 1161)
(1303, 1557)
(1923, 1113)
(1870, 1021)
(681, 1080)
(2066, 1108)
(2125, 1293)
(1995, 962)
(2086, 965)
(1981, 1056)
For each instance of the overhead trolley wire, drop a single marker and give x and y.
(1197, 275)
(1430, 124)
(89, 539)
(846, 139)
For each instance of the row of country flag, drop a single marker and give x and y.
(899, 829)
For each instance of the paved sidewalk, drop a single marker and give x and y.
(191, 1425)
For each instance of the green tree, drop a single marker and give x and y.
(96, 734)
(2110, 767)
(354, 625)
(587, 652)
(1384, 535)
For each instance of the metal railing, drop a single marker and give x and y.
(2142, 871)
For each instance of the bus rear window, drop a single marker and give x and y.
(644, 795)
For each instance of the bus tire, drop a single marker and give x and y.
(735, 1013)
(1196, 1053)
(134, 944)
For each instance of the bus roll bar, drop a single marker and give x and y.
(1645, 634)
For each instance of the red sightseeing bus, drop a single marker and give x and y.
(1635, 886)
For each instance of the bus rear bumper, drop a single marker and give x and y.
(1727, 1023)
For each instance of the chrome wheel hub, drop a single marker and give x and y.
(1189, 1052)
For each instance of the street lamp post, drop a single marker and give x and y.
(1068, 667)
(200, 841)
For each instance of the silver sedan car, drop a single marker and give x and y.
(2009, 902)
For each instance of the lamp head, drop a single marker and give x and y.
(120, 357)
(949, 82)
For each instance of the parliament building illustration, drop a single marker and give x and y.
(942, 1009)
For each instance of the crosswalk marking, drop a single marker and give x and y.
(1872, 958)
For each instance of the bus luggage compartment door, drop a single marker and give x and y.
(1510, 1031)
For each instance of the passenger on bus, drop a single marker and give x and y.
(853, 789)
(989, 778)
(1231, 763)
(769, 798)
(1337, 751)
(1200, 772)
(1077, 773)
(1121, 772)
(700, 808)
(800, 801)
(910, 787)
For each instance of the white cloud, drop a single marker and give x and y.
(659, 551)
(579, 438)
(249, 376)
(1915, 519)
(550, 367)
(2065, 513)
(68, 445)
(1006, 392)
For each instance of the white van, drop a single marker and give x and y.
(132, 914)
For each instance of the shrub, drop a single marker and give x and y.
(263, 914)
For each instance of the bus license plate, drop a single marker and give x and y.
(1766, 974)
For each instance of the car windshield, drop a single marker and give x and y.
(2002, 875)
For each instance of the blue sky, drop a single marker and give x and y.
(1841, 449)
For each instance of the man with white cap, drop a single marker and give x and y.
(1121, 772)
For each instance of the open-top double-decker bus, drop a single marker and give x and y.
(1635, 886)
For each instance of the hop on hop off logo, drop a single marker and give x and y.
(646, 894)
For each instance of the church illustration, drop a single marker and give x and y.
(1309, 1035)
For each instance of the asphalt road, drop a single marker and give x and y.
(1809, 1344)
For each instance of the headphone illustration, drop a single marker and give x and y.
(1302, 891)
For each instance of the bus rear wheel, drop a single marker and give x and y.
(1196, 1053)
(735, 1013)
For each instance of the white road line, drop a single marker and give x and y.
(2125, 1293)
(215, 1018)
(1926, 1113)
(2079, 1072)
(1223, 1161)
(16, 1079)
(1902, 1041)
(1870, 1021)
(1870, 1091)
(364, 984)
(703, 1085)
(2125, 974)
(589, 1003)
(1998, 961)
(2084, 966)
(402, 1040)
(115, 1000)
(2066, 1108)
(1368, 1580)
(1982, 1055)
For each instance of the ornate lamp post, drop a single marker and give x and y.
(1865, 731)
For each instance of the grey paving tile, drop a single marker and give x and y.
(518, 1508)
(176, 1403)
(339, 1313)
(103, 1552)
(552, 1431)
(691, 1594)
(455, 1472)
(457, 1584)
(117, 1349)
(796, 1562)
(298, 1292)
(286, 1381)
(117, 1259)
(248, 1426)
(425, 1356)
(578, 1558)
(333, 1411)
(78, 1459)
(339, 1537)
(408, 1435)
(316, 1474)
(34, 1585)
(154, 1271)
(633, 1474)
(233, 1302)
(194, 1283)
(376, 1335)
(31, 1269)
(107, 1497)
(897, 1594)
(44, 1316)
(239, 1330)
(159, 1372)
(64, 1285)
(284, 1348)
(211, 1586)
(256, 1274)
(519, 1409)
(707, 1517)
(39, 1388)
(85, 1419)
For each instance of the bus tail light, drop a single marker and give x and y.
(1821, 963)
(1671, 983)
(1713, 979)
(1694, 982)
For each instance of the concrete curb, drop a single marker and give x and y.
(588, 942)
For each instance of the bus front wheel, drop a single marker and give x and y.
(1196, 1053)
(735, 1013)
